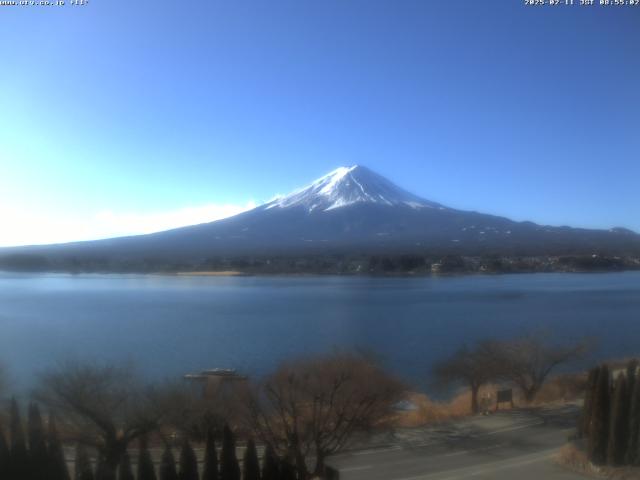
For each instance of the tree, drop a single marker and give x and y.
(4, 455)
(38, 455)
(125, 472)
(83, 470)
(269, 464)
(587, 410)
(57, 462)
(632, 368)
(229, 468)
(102, 471)
(250, 463)
(210, 471)
(634, 426)
(313, 407)
(599, 426)
(168, 465)
(104, 407)
(286, 470)
(528, 361)
(146, 471)
(18, 454)
(204, 407)
(188, 463)
(619, 426)
(472, 367)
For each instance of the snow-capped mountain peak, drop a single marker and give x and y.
(347, 186)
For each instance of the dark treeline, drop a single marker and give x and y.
(36, 455)
(610, 421)
(121, 428)
(334, 264)
(39, 455)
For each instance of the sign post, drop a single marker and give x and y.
(503, 396)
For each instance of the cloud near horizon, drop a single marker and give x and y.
(35, 228)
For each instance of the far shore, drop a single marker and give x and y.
(225, 273)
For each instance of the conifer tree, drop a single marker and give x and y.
(83, 469)
(146, 471)
(104, 469)
(4, 456)
(250, 463)
(269, 464)
(188, 463)
(633, 456)
(102, 472)
(168, 465)
(125, 472)
(632, 368)
(38, 455)
(599, 425)
(585, 419)
(18, 454)
(210, 459)
(229, 468)
(287, 472)
(619, 426)
(57, 463)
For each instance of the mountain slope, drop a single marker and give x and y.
(347, 186)
(350, 210)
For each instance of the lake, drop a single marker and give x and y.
(171, 325)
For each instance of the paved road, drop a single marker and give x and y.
(511, 445)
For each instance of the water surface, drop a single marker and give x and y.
(171, 325)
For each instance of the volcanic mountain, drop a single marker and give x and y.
(350, 210)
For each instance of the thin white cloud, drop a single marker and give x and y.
(20, 227)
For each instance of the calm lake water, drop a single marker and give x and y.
(173, 325)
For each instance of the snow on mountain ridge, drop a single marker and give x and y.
(347, 186)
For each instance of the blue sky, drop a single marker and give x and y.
(124, 117)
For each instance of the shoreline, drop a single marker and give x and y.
(206, 273)
(237, 273)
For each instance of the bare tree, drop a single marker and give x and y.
(187, 411)
(312, 408)
(104, 407)
(528, 361)
(196, 414)
(473, 367)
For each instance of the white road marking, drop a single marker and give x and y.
(451, 454)
(355, 469)
(372, 451)
(455, 454)
(486, 468)
(425, 444)
(473, 450)
(516, 427)
(469, 471)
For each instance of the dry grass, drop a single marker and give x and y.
(623, 473)
(562, 389)
(573, 458)
(429, 411)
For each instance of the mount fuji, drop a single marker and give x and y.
(348, 186)
(351, 210)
